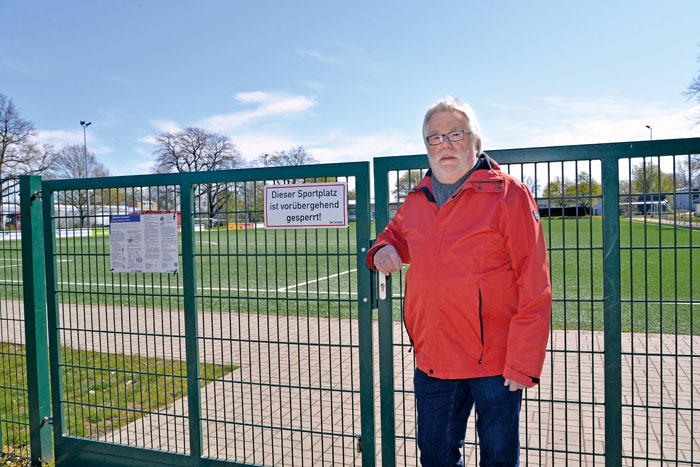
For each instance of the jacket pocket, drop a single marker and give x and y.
(481, 328)
(403, 316)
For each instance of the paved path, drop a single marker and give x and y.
(295, 399)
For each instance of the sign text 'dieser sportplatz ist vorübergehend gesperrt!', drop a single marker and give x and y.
(308, 205)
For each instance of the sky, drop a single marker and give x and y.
(348, 81)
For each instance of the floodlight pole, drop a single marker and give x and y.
(85, 124)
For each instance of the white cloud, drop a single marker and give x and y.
(338, 146)
(140, 165)
(316, 86)
(147, 140)
(345, 147)
(165, 126)
(252, 145)
(318, 56)
(253, 96)
(270, 105)
(146, 166)
(562, 121)
(60, 138)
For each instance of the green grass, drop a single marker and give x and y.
(235, 271)
(310, 272)
(650, 276)
(101, 392)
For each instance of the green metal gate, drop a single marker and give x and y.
(258, 353)
(620, 383)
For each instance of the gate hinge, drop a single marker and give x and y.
(35, 195)
(46, 420)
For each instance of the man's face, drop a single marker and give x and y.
(450, 160)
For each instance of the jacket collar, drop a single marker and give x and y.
(485, 169)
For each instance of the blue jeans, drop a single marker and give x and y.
(443, 410)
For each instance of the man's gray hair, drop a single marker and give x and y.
(450, 104)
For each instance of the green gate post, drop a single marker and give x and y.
(53, 320)
(191, 323)
(386, 328)
(36, 337)
(365, 318)
(612, 310)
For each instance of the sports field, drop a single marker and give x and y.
(313, 272)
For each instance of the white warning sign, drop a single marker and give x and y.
(143, 243)
(310, 205)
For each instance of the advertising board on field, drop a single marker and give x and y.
(306, 206)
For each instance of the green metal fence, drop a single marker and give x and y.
(620, 383)
(14, 426)
(24, 402)
(258, 353)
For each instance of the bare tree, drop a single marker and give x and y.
(250, 196)
(531, 185)
(20, 153)
(195, 150)
(688, 172)
(73, 162)
(293, 156)
(693, 91)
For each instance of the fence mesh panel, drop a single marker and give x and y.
(121, 334)
(562, 422)
(14, 424)
(276, 331)
(660, 261)
(561, 418)
(281, 307)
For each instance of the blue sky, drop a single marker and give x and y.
(347, 80)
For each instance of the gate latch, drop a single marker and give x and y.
(35, 195)
(46, 420)
(358, 443)
(382, 286)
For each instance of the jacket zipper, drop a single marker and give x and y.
(481, 327)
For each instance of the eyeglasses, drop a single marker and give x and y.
(455, 135)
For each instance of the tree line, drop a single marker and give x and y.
(192, 149)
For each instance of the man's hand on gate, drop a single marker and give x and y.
(387, 260)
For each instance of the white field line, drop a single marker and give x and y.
(19, 260)
(220, 289)
(656, 222)
(285, 289)
(18, 265)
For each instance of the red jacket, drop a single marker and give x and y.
(478, 295)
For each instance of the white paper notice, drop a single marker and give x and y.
(143, 243)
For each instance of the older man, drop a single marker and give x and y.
(478, 295)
